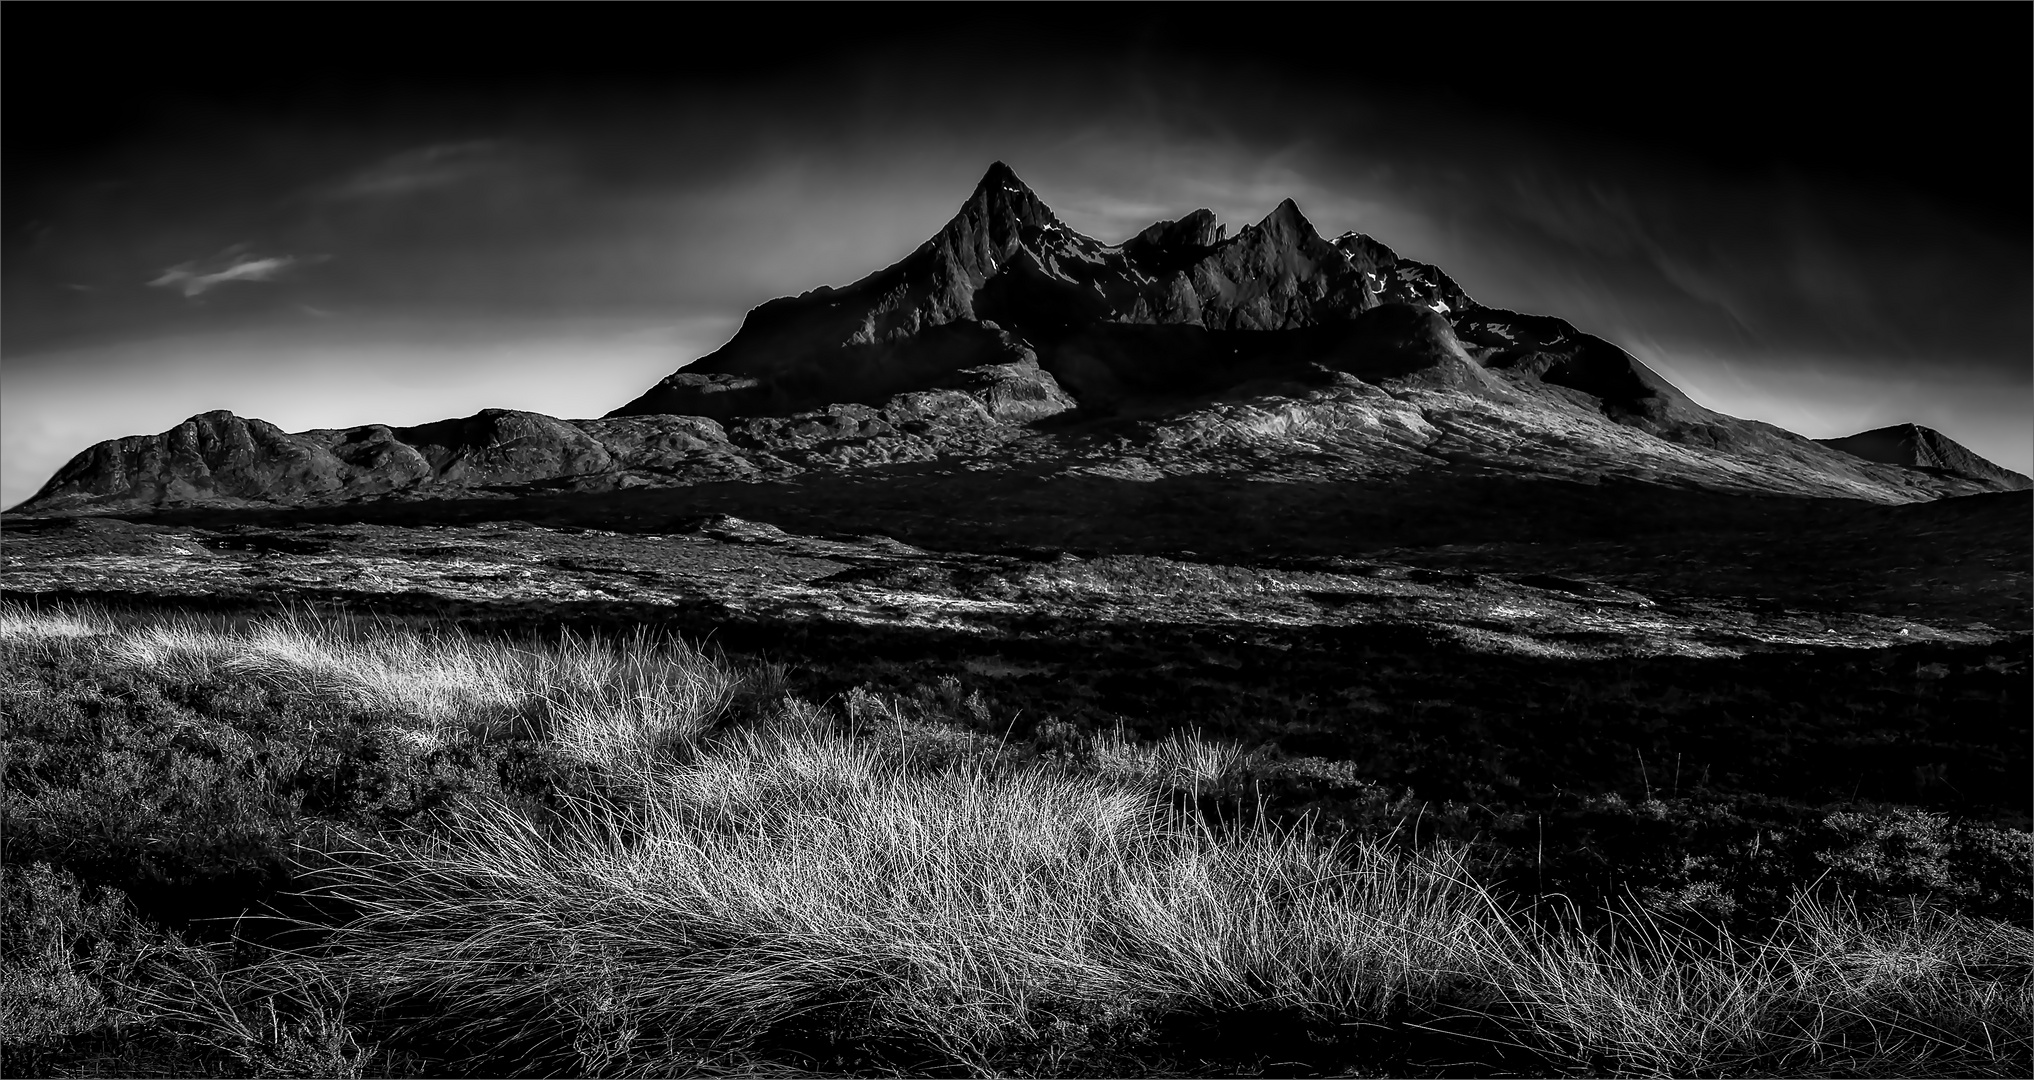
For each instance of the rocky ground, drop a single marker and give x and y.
(1391, 638)
(752, 572)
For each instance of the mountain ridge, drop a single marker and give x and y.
(1009, 341)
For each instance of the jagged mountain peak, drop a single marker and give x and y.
(990, 229)
(1287, 223)
(1000, 197)
(1004, 177)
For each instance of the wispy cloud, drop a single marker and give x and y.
(234, 264)
(441, 165)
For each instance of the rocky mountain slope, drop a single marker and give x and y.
(1010, 344)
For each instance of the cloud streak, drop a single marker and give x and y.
(425, 168)
(193, 280)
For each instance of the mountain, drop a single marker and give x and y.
(1010, 345)
(1918, 447)
(1177, 310)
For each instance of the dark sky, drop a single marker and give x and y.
(326, 216)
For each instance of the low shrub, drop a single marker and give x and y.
(68, 959)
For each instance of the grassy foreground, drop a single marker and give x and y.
(299, 846)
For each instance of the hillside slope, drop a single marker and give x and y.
(1917, 447)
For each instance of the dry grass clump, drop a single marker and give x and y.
(623, 702)
(604, 702)
(20, 625)
(816, 886)
(1183, 760)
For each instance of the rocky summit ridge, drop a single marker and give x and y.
(1010, 343)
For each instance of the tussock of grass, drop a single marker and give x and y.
(607, 703)
(21, 624)
(960, 910)
(1182, 760)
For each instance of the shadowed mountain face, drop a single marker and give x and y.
(1009, 349)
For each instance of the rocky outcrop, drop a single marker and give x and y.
(214, 457)
(1389, 279)
(1018, 392)
(1190, 234)
(1918, 447)
(501, 446)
